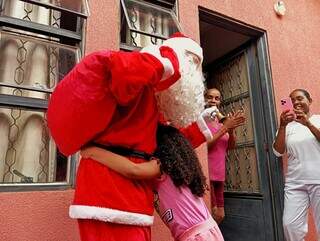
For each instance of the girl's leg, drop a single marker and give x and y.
(218, 187)
(296, 204)
(314, 193)
(213, 196)
(93, 230)
(219, 191)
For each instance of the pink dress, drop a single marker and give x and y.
(217, 154)
(185, 214)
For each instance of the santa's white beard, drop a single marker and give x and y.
(182, 103)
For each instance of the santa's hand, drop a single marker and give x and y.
(206, 114)
(209, 112)
(167, 65)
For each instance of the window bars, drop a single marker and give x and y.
(143, 23)
(40, 42)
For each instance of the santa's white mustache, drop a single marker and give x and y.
(183, 102)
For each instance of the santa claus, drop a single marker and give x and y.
(113, 100)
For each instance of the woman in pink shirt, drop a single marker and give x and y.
(223, 139)
(180, 184)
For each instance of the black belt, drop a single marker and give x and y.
(123, 151)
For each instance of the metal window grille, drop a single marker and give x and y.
(231, 78)
(144, 23)
(40, 42)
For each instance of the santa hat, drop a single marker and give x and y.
(166, 54)
(179, 41)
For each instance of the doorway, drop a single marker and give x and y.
(236, 62)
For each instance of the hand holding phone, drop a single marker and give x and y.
(287, 114)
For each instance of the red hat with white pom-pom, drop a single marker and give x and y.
(179, 41)
(166, 54)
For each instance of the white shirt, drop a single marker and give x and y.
(303, 151)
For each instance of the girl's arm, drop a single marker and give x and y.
(232, 140)
(122, 165)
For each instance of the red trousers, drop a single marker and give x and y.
(93, 230)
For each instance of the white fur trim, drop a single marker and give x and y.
(184, 43)
(204, 129)
(167, 65)
(109, 215)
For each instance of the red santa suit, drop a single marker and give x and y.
(109, 99)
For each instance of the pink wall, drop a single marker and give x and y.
(294, 44)
(103, 25)
(294, 53)
(37, 216)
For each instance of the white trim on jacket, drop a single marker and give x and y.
(109, 215)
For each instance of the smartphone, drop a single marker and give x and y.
(286, 104)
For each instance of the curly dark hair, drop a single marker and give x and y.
(179, 160)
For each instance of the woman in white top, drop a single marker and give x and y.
(299, 137)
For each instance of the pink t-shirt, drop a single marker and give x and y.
(178, 207)
(217, 154)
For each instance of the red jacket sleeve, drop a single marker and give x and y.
(193, 134)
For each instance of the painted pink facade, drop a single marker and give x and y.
(38, 216)
(294, 49)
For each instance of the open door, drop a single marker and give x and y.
(236, 62)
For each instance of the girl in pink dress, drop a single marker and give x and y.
(180, 184)
(223, 139)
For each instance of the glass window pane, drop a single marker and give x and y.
(241, 170)
(27, 152)
(231, 78)
(144, 20)
(79, 6)
(163, 3)
(243, 133)
(140, 40)
(29, 62)
(43, 15)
